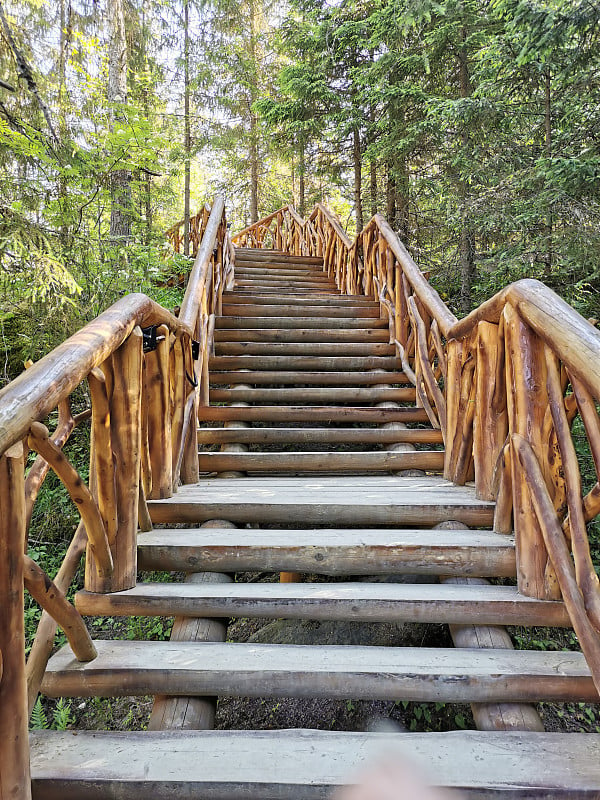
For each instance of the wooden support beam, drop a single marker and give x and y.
(14, 750)
(126, 443)
(52, 600)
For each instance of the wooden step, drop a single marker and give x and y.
(316, 414)
(259, 256)
(310, 363)
(380, 500)
(375, 551)
(432, 460)
(300, 322)
(314, 395)
(261, 273)
(261, 377)
(268, 299)
(304, 349)
(300, 335)
(306, 765)
(300, 310)
(124, 668)
(362, 436)
(368, 602)
(283, 286)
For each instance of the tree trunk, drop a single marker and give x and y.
(390, 197)
(357, 155)
(253, 147)
(466, 245)
(120, 181)
(301, 181)
(187, 132)
(548, 147)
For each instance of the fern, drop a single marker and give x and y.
(38, 721)
(62, 716)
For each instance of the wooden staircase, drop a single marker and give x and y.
(315, 460)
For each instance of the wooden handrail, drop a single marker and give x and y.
(571, 337)
(201, 273)
(38, 390)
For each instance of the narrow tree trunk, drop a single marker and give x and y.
(390, 197)
(253, 147)
(187, 132)
(372, 168)
(301, 181)
(120, 182)
(402, 187)
(357, 157)
(548, 147)
(466, 245)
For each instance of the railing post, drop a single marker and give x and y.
(15, 782)
(157, 390)
(490, 424)
(527, 405)
(125, 430)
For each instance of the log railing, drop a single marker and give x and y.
(176, 233)
(505, 386)
(146, 374)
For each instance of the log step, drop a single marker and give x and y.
(318, 394)
(306, 765)
(268, 299)
(246, 321)
(304, 349)
(367, 602)
(380, 500)
(283, 286)
(374, 551)
(298, 310)
(312, 435)
(260, 377)
(270, 257)
(431, 460)
(301, 335)
(282, 275)
(315, 414)
(310, 363)
(124, 668)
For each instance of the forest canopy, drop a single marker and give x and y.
(473, 126)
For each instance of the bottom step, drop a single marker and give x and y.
(305, 765)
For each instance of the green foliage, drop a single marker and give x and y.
(62, 716)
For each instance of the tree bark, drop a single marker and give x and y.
(466, 237)
(357, 156)
(120, 180)
(187, 133)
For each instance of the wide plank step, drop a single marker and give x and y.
(381, 461)
(124, 668)
(260, 377)
(367, 602)
(310, 363)
(244, 321)
(317, 394)
(315, 414)
(313, 435)
(305, 764)
(342, 349)
(300, 310)
(301, 335)
(337, 551)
